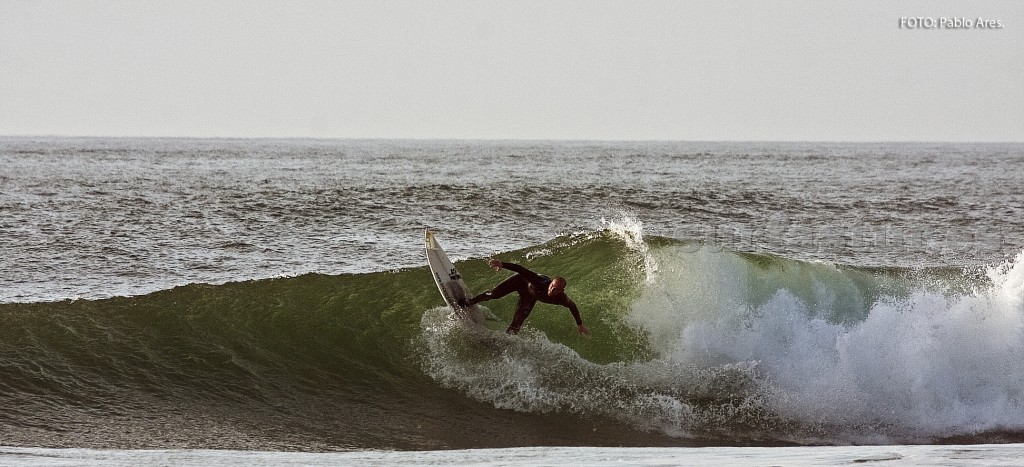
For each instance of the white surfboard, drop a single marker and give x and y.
(449, 281)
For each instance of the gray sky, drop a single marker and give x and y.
(683, 70)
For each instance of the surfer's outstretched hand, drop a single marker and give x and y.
(583, 330)
(494, 264)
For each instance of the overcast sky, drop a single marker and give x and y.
(620, 70)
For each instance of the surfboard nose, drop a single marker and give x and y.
(431, 242)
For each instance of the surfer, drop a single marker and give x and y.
(532, 287)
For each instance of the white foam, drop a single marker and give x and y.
(929, 364)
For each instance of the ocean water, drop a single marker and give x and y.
(271, 295)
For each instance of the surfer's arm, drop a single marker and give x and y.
(571, 305)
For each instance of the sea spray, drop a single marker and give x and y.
(631, 231)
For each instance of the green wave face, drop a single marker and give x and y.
(335, 359)
(688, 343)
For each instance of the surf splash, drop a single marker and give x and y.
(751, 347)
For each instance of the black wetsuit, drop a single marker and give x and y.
(532, 287)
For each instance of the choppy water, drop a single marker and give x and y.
(99, 217)
(738, 293)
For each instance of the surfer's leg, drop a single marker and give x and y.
(523, 309)
(515, 283)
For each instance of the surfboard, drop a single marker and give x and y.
(449, 281)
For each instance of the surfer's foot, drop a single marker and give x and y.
(463, 303)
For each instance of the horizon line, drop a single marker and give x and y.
(469, 139)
